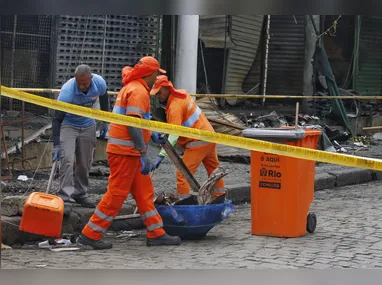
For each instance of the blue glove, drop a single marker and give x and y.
(157, 138)
(157, 162)
(103, 128)
(57, 154)
(145, 163)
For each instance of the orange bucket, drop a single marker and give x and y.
(43, 212)
(282, 190)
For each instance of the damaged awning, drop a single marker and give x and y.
(214, 32)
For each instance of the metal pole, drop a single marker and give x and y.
(103, 48)
(22, 131)
(187, 52)
(356, 50)
(267, 37)
(173, 41)
(13, 58)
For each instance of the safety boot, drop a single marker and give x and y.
(67, 209)
(85, 202)
(163, 240)
(95, 244)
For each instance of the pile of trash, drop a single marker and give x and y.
(271, 120)
(193, 217)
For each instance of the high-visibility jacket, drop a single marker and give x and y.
(186, 113)
(132, 99)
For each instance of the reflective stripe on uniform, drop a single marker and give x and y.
(196, 143)
(194, 117)
(103, 216)
(149, 214)
(135, 110)
(219, 190)
(183, 196)
(96, 228)
(121, 142)
(119, 110)
(154, 227)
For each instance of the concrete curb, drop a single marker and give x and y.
(72, 224)
(241, 193)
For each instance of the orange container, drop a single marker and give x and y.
(282, 190)
(43, 215)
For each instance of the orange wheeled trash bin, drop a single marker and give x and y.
(282, 188)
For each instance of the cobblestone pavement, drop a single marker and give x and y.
(348, 235)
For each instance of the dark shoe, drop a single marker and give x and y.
(85, 202)
(163, 240)
(67, 209)
(95, 244)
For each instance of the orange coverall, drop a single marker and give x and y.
(182, 110)
(125, 165)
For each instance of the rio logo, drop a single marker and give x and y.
(270, 173)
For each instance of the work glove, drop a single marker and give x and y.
(103, 128)
(145, 163)
(157, 138)
(58, 153)
(157, 162)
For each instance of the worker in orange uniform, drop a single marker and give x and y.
(129, 162)
(182, 110)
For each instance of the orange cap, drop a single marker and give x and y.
(162, 80)
(146, 66)
(151, 63)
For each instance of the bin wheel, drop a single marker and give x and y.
(311, 223)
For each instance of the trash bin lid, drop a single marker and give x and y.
(277, 135)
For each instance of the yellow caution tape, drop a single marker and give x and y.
(39, 90)
(239, 142)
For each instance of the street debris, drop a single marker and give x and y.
(64, 249)
(22, 178)
(3, 246)
(222, 122)
(206, 192)
(271, 120)
(53, 243)
(127, 234)
(204, 196)
(34, 137)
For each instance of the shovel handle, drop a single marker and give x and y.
(54, 167)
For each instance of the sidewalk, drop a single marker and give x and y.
(327, 177)
(348, 235)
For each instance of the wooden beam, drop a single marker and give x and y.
(228, 124)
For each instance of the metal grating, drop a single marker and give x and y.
(214, 31)
(245, 34)
(252, 82)
(26, 59)
(286, 55)
(105, 43)
(369, 78)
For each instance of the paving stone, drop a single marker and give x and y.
(230, 244)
